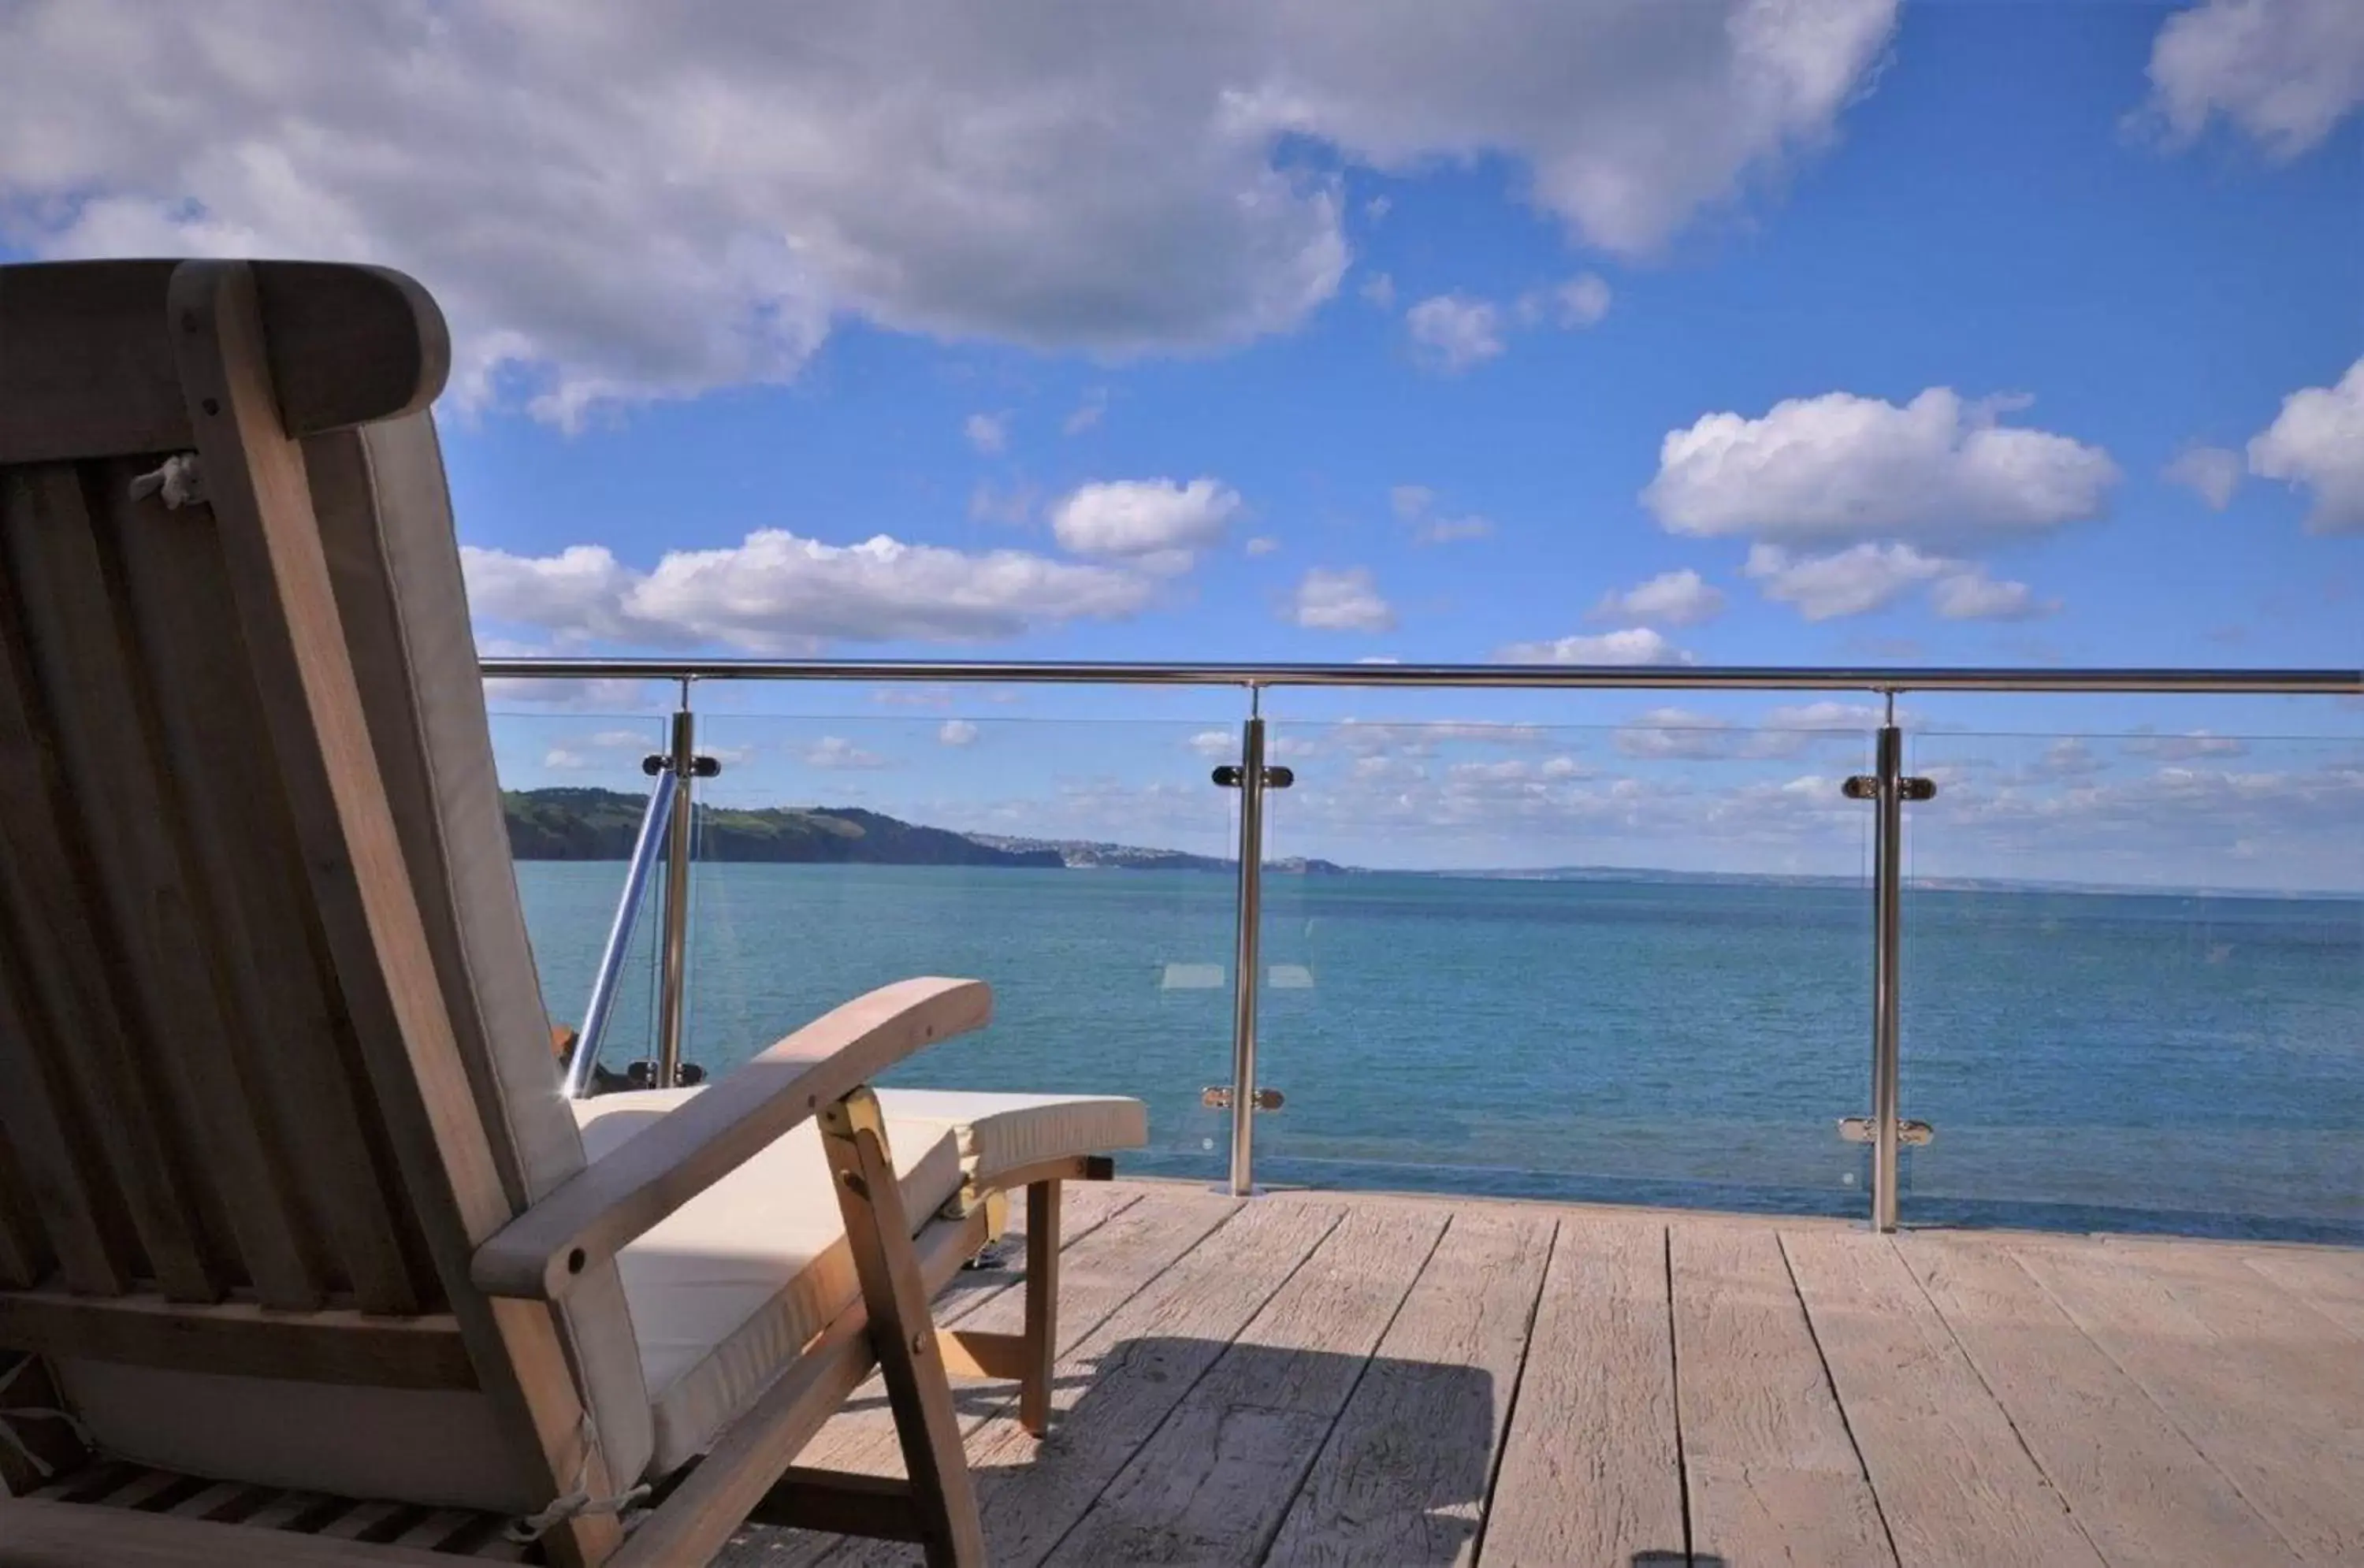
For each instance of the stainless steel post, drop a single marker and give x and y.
(1887, 932)
(605, 982)
(1245, 967)
(672, 993)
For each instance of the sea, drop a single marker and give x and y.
(2085, 1060)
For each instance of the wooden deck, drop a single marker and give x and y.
(1325, 1378)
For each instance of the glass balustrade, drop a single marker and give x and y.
(1619, 964)
(1613, 962)
(2134, 984)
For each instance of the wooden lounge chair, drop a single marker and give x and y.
(297, 1233)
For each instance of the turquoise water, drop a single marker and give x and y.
(2088, 1061)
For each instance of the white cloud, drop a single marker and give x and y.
(2284, 71)
(1380, 289)
(1422, 737)
(1452, 332)
(1867, 577)
(2317, 440)
(956, 732)
(1828, 727)
(1416, 505)
(1087, 413)
(835, 751)
(1634, 645)
(2183, 747)
(1263, 544)
(988, 433)
(1216, 744)
(1839, 469)
(649, 203)
(1346, 599)
(2211, 472)
(1671, 599)
(1581, 302)
(1851, 581)
(1972, 595)
(1827, 714)
(2070, 757)
(1012, 505)
(1157, 523)
(568, 695)
(562, 758)
(776, 592)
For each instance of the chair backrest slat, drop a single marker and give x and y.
(305, 1105)
(25, 1254)
(70, 977)
(158, 930)
(54, 1171)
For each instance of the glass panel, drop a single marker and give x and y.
(2134, 984)
(574, 793)
(1623, 964)
(1080, 867)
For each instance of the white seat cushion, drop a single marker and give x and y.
(1006, 1132)
(727, 1291)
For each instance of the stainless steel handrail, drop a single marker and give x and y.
(1650, 677)
(605, 981)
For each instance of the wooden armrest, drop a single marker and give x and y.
(537, 1255)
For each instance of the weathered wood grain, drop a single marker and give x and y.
(1106, 1266)
(1773, 1475)
(1953, 1483)
(1403, 1477)
(1590, 1473)
(1215, 1483)
(2331, 1283)
(2137, 1487)
(2263, 1384)
(1122, 1382)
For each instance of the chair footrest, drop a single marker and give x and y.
(841, 1502)
(974, 1353)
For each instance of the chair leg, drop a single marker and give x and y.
(902, 1331)
(1042, 1305)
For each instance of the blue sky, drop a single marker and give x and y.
(1724, 331)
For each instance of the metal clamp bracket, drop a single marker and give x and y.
(656, 763)
(1865, 786)
(1857, 1129)
(1231, 777)
(1218, 1098)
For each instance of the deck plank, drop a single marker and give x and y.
(1589, 1472)
(1216, 1480)
(1953, 1482)
(1996, 1424)
(2331, 1283)
(1404, 1475)
(1118, 1384)
(2243, 1373)
(2138, 1488)
(1773, 1475)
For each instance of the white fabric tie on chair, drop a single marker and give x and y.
(181, 482)
(575, 1501)
(11, 1414)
